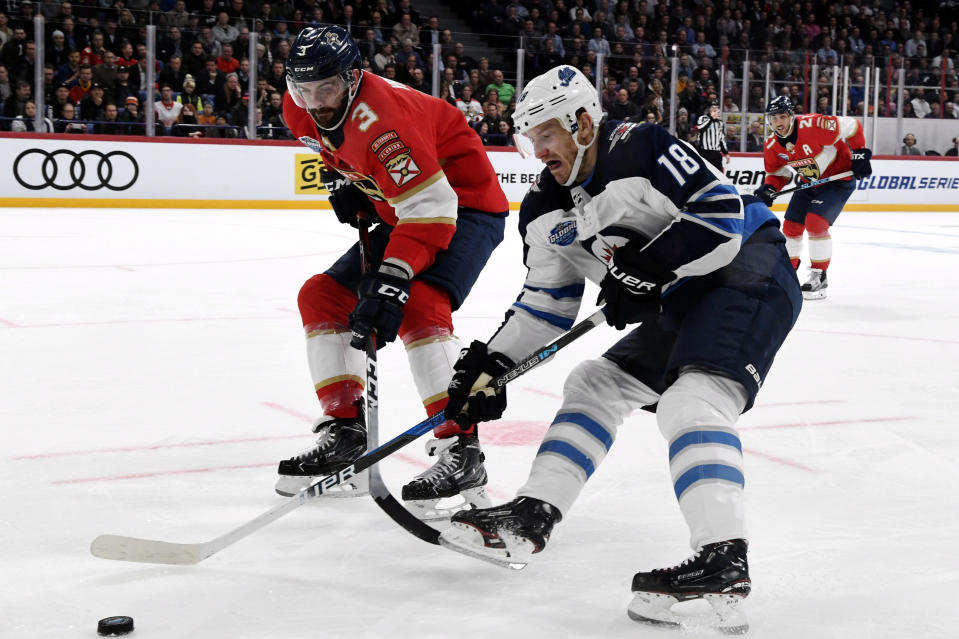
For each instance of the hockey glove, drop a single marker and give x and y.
(766, 193)
(861, 166)
(380, 307)
(471, 400)
(346, 198)
(631, 289)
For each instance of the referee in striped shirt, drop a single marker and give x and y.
(712, 137)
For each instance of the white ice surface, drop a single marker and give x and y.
(153, 374)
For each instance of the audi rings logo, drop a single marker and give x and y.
(64, 170)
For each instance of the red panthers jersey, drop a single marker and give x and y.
(822, 148)
(414, 156)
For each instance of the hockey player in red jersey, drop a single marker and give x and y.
(814, 146)
(411, 162)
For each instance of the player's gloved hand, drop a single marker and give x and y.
(765, 193)
(861, 166)
(346, 198)
(471, 400)
(380, 307)
(631, 289)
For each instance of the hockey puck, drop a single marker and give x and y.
(115, 626)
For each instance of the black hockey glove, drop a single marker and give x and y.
(766, 193)
(470, 399)
(861, 166)
(346, 198)
(380, 307)
(631, 289)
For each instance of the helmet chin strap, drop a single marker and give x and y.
(580, 152)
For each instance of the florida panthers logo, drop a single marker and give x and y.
(808, 173)
(332, 39)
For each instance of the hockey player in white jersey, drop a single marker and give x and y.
(705, 274)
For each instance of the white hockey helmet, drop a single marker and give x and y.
(559, 93)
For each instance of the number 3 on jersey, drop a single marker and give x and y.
(686, 161)
(365, 115)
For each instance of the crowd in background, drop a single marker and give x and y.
(95, 57)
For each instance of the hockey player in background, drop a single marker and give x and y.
(813, 146)
(708, 280)
(411, 162)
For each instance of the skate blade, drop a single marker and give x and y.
(356, 486)
(429, 510)
(466, 540)
(814, 295)
(654, 608)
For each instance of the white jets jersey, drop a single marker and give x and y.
(647, 187)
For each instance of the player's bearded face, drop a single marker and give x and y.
(325, 100)
(553, 146)
(781, 123)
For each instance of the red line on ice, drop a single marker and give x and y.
(837, 422)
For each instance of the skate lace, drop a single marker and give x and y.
(678, 567)
(324, 442)
(448, 462)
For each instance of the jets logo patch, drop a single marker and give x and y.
(402, 169)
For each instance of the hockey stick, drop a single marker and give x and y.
(819, 182)
(161, 552)
(378, 490)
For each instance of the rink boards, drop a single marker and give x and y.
(129, 172)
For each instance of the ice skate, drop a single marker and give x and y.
(340, 442)
(815, 287)
(717, 573)
(506, 535)
(458, 471)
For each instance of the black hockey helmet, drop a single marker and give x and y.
(320, 53)
(781, 104)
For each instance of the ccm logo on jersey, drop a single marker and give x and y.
(636, 286)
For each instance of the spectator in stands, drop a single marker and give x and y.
(27, 122)
(754, 140)
(122, 88)
(276, 78)
(110, 123)
(195, 61)
(225, 62)
(93, 105)
(919, 105)
(173, 44)
(14, 105)
(623, 108)
(491, 117)
(92, 54)
(68, 124)
(505, 90)
(224, 32)
(407, 51)
(105, 73)
(210, 44)
(5, 89)
(187, 125)
(471, 109)
(211, 80)
(14, 49)
(684, 130)
(228, 96)
(598, 43)
(953, 151)
(178, 16)
(167, 109)
(274, 107)
(189, 94)
(132, 117)
(405, 29)
(384, 57)
(909, 146)
(5, 31)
